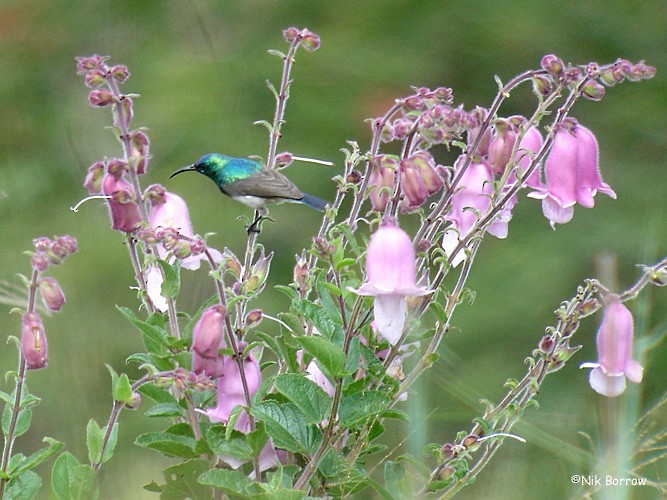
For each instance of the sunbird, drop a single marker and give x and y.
(250, 182)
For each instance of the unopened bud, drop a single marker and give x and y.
(42, 243)
(119, 73)
(51, 293)
(284, 159)
(93, 181)
(470, 442)
(553, 65)
(33, 342)
(259, 272)
(231, 263)
(301, 271)
(542, 85)
(134, 402)
(448, 451)
(94, 77)
(207, 335)
(139, 151)
(253, 318)
(100, 98)
(354, 177)
(311, 41)
(40, 261)
(290, 34)
(593, 91)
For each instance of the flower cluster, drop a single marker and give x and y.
(116, 178)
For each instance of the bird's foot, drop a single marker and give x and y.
(255, 226)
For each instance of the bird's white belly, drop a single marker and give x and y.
(251, 201)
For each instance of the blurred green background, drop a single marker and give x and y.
(200, 67)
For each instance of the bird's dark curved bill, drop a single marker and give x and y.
(181, 170)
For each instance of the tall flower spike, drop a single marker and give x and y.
(614, 343)
(390, 273)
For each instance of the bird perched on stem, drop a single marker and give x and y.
(251, 183)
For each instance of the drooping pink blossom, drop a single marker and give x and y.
(614, 343)
(390, 278)
(572, 173)
(122, 203)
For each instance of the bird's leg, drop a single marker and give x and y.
(260, 215)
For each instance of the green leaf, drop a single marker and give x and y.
(122, 389)
(23, 486)
(171, 445)
(235, 446)
(171, 285)
(165, 410)
(94, 441)
(353, 356)
(393, 475)
(182, 481)
(330, 356)
(230, 481)
(157, 394)
(361, 406)
(72, 481)
(39, 456)
(309, 397)
(22, 422)
(287, 426)
(326, 321)
(154, 338)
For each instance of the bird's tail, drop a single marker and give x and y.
(314, 202)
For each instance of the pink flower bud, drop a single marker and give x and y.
(502, 144)
(51, 293)
(311, 41)
(100, 98)
(614, 343)
(42, 243)
(93, 181)
(40, 261)
(553, 65)
(412, 186)
(68, 243)
(85, 64)
(290, 34)
(94, 78)
(33, 342)
(382, 180)
(253, 318)
(119, 73)
(139, 151)
(593, 91)
(208, 335)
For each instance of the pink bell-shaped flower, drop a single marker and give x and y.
(572, 173)
(230, 391)
(471, 200)
(390, 274)
(614, 343)
(122, 203)
(168, 210)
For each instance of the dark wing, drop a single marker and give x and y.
(266, 183)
